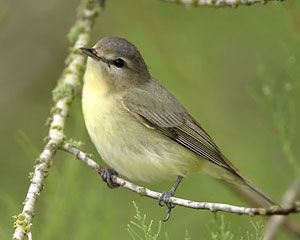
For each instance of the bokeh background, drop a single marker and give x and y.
(214, 60)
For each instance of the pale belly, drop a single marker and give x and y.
(132, 149)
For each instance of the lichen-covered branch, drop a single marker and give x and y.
(214, 207)
(275, 222)
(220, 3)
(63, 95)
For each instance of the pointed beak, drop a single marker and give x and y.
(91, 52)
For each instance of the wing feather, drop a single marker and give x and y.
(175, 122)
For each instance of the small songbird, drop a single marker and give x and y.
(139, 128)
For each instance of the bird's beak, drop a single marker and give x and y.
(91, 52)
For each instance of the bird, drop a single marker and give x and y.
(140, 129)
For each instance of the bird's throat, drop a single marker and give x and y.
(94, 80)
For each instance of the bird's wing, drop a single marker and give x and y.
(174, 121)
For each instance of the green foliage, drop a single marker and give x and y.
(187, 235)
(139, 229)
(258, 233)
(276, 100)
(223, 231)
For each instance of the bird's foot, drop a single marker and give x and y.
(164, 199)
(107, 175)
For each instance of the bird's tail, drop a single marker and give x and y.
(256, 193)
(233, 177)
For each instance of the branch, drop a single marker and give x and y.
(214, 207)
(63, 95)
(288, 198)
(220, 3)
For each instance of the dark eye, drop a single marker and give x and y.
(119, 62)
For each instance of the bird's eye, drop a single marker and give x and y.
(119, 62)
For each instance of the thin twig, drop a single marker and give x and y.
(63, 96)
(214, 207)
(275, 222)
(220, 3)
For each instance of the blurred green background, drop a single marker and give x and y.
(211, 59)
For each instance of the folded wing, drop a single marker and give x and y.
(172, 120)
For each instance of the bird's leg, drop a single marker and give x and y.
(106, 176)
(165, 197)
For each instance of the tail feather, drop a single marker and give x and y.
(235, 178)
(258, 194)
